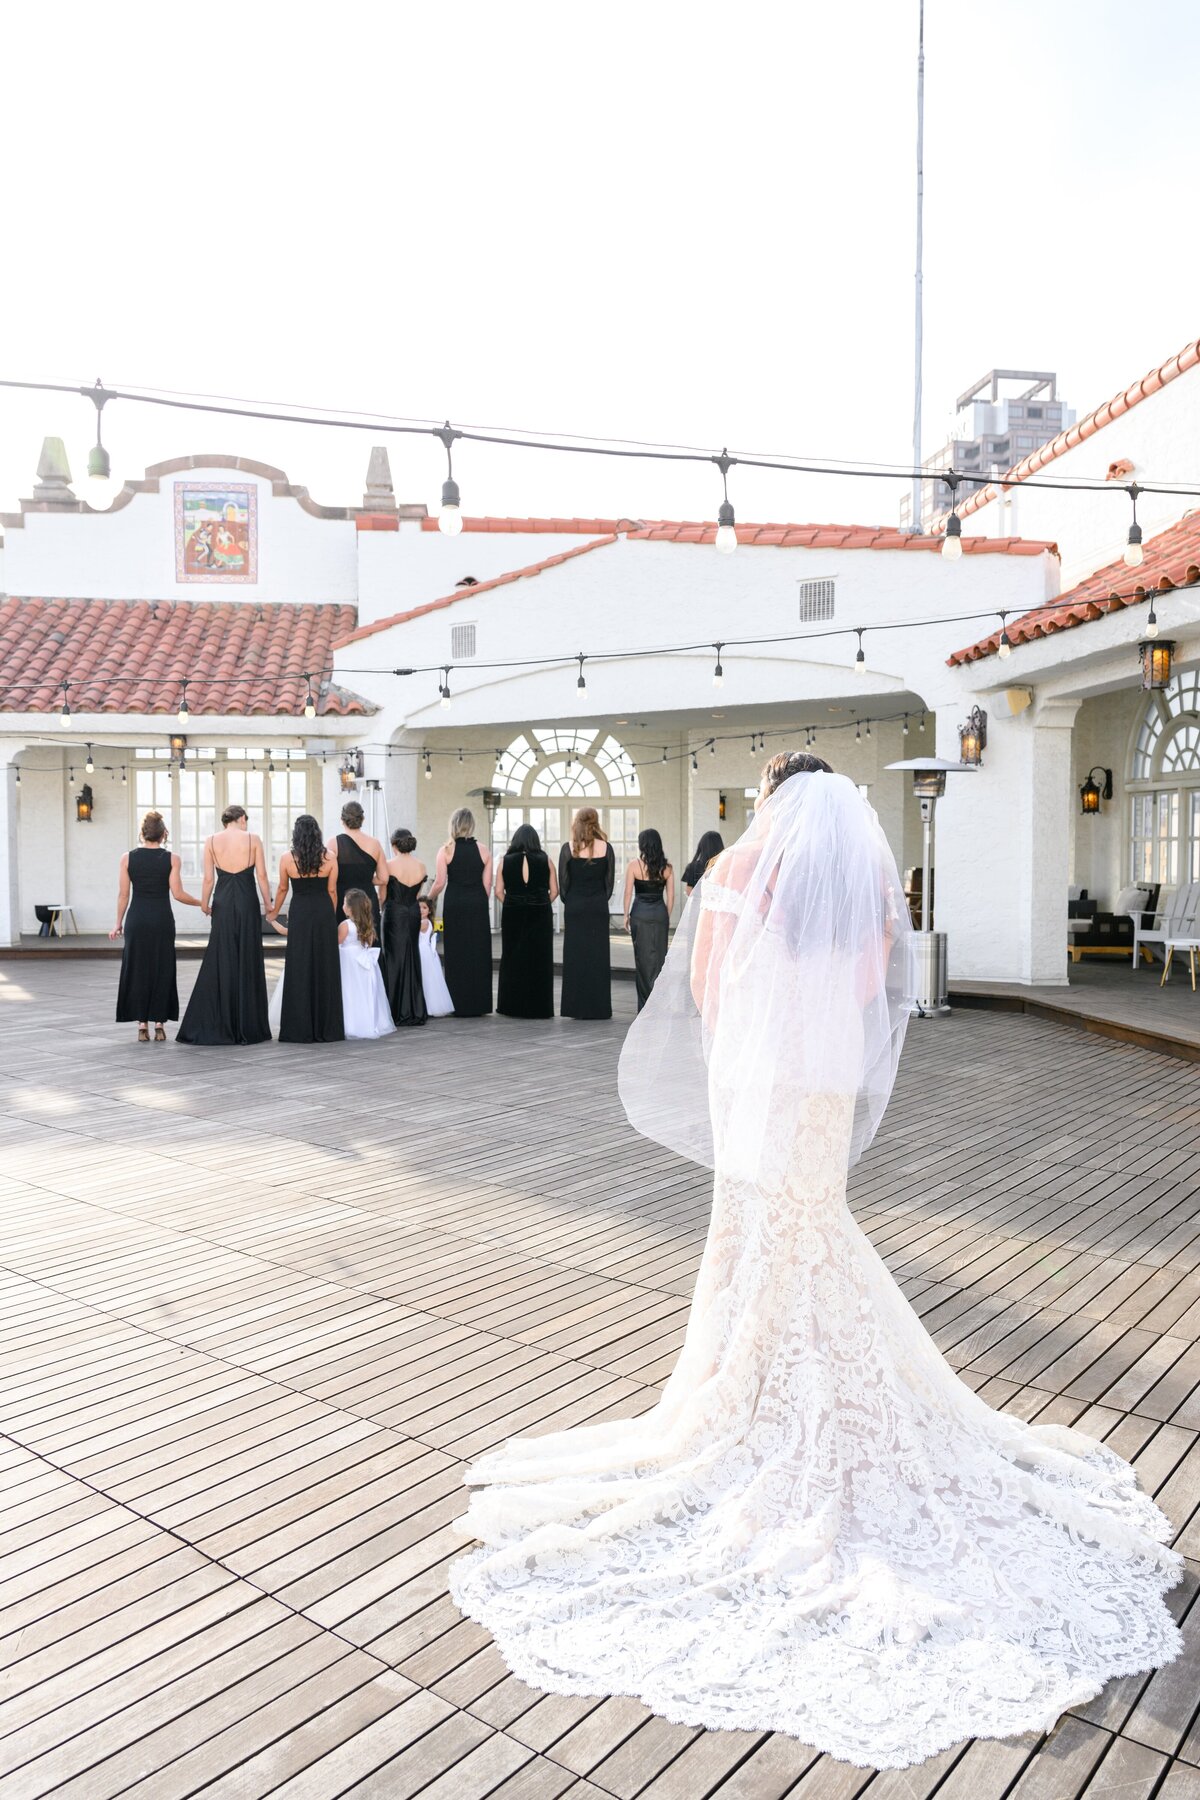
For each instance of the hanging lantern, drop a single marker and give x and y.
(1091, 794)
(347, 777)
(84, 807)
(178, 744)
(972, 739)
(1156, 654)
(721, 806)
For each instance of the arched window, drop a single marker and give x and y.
(546, 774)
(1164, 779)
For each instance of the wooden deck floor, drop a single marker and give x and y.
(259, 1305)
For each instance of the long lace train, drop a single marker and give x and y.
(819, 1529)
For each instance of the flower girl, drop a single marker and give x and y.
(365, 1009)
(438, 1003)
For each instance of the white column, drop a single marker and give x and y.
(1002, 847)
(10, 894)
(400, 775)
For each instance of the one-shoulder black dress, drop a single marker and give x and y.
(355, 870)
(229, 1001)
(467, 933)
(147, 989)
(402, 952)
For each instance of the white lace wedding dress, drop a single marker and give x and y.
(819, 1529)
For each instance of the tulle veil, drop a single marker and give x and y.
(788, 978)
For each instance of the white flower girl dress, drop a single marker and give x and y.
(365, 1009)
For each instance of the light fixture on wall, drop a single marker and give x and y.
(1091, 793)
(972, 738)
(721, 806)
(450, 515)
(84, 805)
(1156, 655)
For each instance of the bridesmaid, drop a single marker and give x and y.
(587, 871)
(527, 888)
(147, 987)
(359, 861)
(229, 1001)
(464, 870)
(402, 931)
(312, 978)
(707, 850)
(649, 900)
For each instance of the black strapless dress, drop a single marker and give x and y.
(402, 952)
(467, 934)
(356, 870)
(229, 1001)
(312, 972)
(147, 988)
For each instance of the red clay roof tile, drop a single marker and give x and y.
(781, 536)
(133, 656)
(1170, 560)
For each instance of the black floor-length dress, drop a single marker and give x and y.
(648, 927)
(229, 1001)
(526, 986)
(147, 989)
(467, 933)
(402, 952)
(356, 870)
(586, 884)
(312, 973)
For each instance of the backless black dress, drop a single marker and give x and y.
(312, 972)
(402, 952)
(356, 870)
(586, 884)
(147, 988)
(229, 1001)
(467, 934)
(648, 926)
(526, 986)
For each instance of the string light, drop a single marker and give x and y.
(905, 731)
(726, 539)
(450, 515)
(860, 661)
(183, 714)
(310, 705)
(664, 753)
(1134, 554)
(1152, 621)
(712, 746)
(718, 672)
(1004, 648)
(581, 684)
(460, 755)
(124, 776)
(695, 764)
(858, 734)
(445, 688)
(428, 766)
(868, 725)
(100, 491)
(89, 766)
(921, 727)
(64, 716)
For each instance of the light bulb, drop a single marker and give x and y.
(450, 516)
(445, 700)
(310, 706)
(860, 663)
(726, 540)
(101, 492)
(64, 717)
(1005, 649)
(428, 772)
(1135, 556)
(1152, 623)
(951, 548)
(89, 765)
(718, 676)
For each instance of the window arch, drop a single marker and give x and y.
(581, 762)
(1164, 777)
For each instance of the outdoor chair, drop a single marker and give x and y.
(1175, 918)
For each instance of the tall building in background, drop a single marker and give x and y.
(992, 429)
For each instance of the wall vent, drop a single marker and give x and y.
(816, 601)
(462, 642)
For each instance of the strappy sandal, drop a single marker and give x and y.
(143, 1034)
(160, 1036)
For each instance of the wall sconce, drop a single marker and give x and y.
(972, 739)
(84, 806)
(1090, 794)
(347, 777)
(720, 806)
(1156, 654)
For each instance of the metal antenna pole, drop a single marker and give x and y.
(920, 322)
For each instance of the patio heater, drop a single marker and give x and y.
(492, 799)
(376, 809)
(928, 974)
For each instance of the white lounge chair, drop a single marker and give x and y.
(1176, 918)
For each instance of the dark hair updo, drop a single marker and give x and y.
(232, 814)
(308, 849)
(154, 828)
(403, 841)
(781, 768)
(353, 815)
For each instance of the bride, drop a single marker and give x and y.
(819, 1529)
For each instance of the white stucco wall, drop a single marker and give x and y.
(129, 554)
(405, 568)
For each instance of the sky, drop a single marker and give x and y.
(670, 220)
